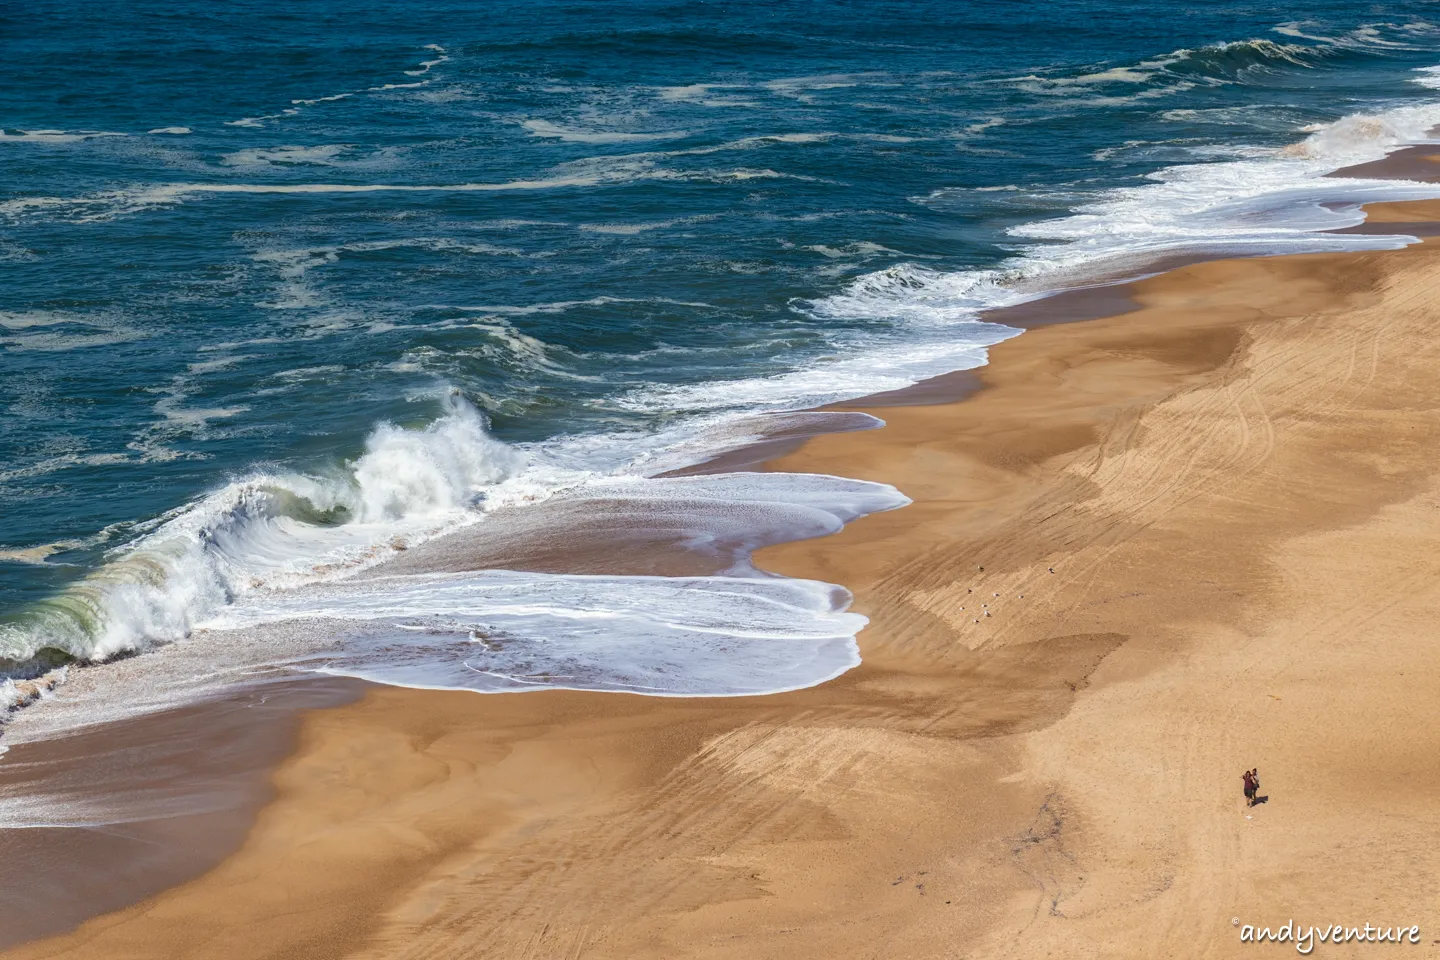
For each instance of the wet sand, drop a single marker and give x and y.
(121, 811)
(1235, 485)
(1421, 162)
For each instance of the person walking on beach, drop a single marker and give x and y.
(1251, 785)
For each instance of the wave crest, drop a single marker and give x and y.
(1230, 61)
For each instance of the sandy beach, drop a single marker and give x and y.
(1146, 553)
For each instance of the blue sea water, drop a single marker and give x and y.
(290, 287)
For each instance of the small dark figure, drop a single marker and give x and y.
(1250, 787)
(1255, 797)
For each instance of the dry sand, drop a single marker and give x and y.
(1237, 486)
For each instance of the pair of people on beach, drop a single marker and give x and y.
(1252, 786)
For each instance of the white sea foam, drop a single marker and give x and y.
(942, 334)
(700, 93)
(1260, 116)
(631, 229)
(50, 330)
(35, 556)
(860, 249)
(63, 461)
(257, 122)
(979, 127)
(324, 155)
(172, 410)
(799, 88)
(54, 136)
(427, 65)
(330, 99)
(307, 373)
(530, 352)
(667, 636)
(544, 128)
(172, 131)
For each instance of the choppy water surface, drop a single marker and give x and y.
(290, 288)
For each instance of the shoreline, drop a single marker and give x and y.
(896, 695)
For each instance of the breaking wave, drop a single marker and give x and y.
(274, 530)
(277, 546)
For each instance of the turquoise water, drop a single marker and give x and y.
(286, 284)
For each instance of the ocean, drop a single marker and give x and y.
(297, 297)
